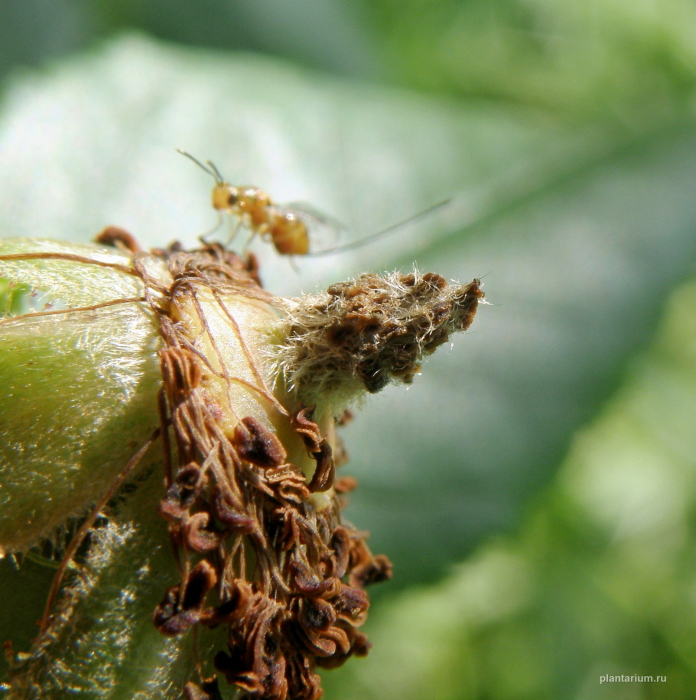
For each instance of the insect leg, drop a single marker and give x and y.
(209, 232)
(232, 229)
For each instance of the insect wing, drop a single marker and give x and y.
(325, 231)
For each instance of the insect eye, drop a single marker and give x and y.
(233, 198)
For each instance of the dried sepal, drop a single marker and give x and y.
(360, 335)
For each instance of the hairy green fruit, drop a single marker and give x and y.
(78, 387)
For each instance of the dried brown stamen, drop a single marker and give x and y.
(257, 444)
(182, 605)
(234, 501)
(119, 238)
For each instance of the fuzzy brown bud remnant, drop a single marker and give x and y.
(367, 332)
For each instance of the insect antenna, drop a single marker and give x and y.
(385, 231)
(218, 177)
(210, 168)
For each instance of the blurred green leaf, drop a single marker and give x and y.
(34, 31)
(333, 35)
(631, 62)
(578, 275)
(330, 34)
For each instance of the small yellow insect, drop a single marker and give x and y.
(285, 226)
(254, 208)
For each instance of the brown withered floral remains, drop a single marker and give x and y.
(259, 541)
(364, 333)
(289, 578)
